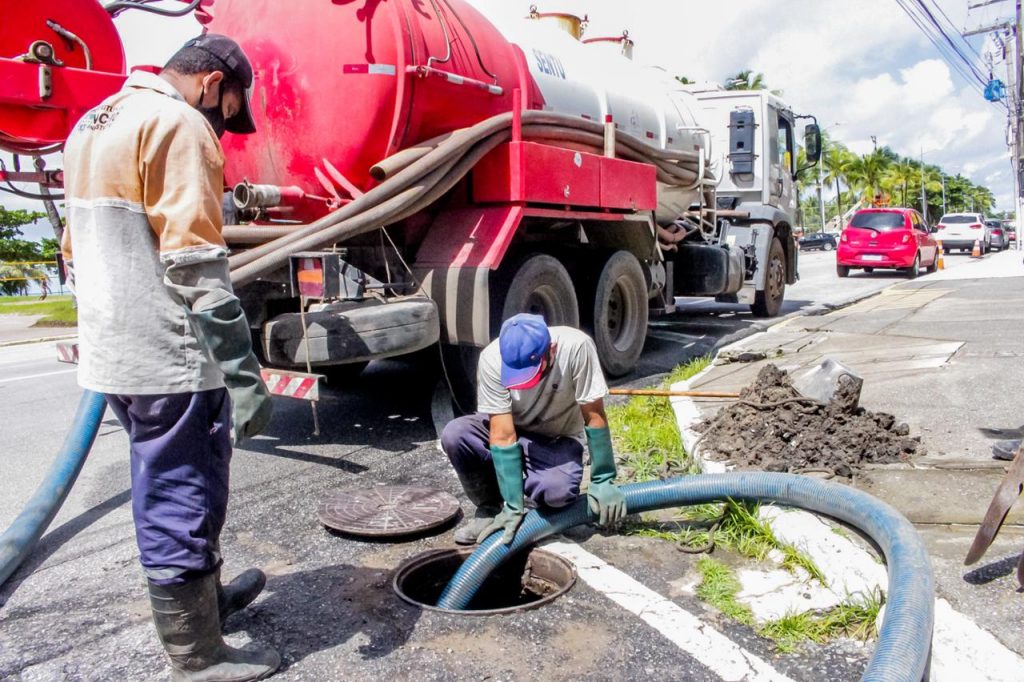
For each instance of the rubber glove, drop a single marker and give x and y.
(606, 501)
(221, 327)
(508, 465)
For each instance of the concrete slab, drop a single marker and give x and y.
(938, 496)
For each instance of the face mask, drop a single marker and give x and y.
(214, 114)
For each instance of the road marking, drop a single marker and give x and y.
(709, 647)
(36, 376)
(962, 650)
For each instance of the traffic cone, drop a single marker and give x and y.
(976, 251)
(939, 262)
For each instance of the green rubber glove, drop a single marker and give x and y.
(508, 465)
(223, 330)
(606, 501)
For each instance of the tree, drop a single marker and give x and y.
(866, 173)
(10, 221)
(836, 162)
(19, 257)
(745, 80)
(899, 176)
(684, 80)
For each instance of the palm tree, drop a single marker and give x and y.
(898, 176)
(836, 163)
(14, 278)
(745, 80)
(865, 174)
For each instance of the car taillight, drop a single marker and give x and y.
(976, 226)
(906, 237)
(997, 232)
(844, 238)
(940, 226)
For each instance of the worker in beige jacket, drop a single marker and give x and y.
(163, 336)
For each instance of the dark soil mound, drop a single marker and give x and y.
(773, 428)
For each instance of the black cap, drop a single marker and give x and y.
(238, 67)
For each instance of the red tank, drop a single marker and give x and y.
(84, 58)
(357, 80)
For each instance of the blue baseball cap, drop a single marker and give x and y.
(524, 341)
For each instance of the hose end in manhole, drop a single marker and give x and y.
(526, 581)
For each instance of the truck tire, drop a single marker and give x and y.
(768, 302)
(542, 286)
(620, 314)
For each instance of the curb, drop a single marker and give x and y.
(25, 342)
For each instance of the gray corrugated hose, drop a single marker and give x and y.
(904, 642)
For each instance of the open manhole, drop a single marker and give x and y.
(525, 581)
(387, 511)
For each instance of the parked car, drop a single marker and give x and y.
(886, 238)
(1011, 234)
(818, 240)
(1000, 241)
(961, 230)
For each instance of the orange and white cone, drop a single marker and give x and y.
(940, 264)
(976, 251)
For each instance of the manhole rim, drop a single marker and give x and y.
(418, 560)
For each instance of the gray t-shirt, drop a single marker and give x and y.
(550, 408)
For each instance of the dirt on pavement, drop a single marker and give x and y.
(773, 428)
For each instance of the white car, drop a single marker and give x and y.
(961, 230)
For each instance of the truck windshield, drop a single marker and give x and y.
(878, 221)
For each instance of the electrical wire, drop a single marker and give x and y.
(952, 58)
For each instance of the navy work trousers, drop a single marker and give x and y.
(553, 466)
(180, 455)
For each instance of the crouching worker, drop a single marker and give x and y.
(164, 337)
(539, 390)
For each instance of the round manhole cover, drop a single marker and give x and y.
(387, 511)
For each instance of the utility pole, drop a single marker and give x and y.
(1015, 88)
(943, 176)
(821, 201)
(924, 200)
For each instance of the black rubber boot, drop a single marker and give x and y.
(240, 592)
(482, 490)
(188, 623)
(1005, 449)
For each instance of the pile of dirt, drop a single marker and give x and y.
(773, 428)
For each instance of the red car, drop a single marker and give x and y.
(886, 238)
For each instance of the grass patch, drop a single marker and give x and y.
(852, 618)
(645, 433)
(719, 586)
(56, 311)
(738, 528)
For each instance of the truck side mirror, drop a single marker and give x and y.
(812, 142)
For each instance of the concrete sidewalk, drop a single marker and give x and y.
(18, 329)
(944, 354)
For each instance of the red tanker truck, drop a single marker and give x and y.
(421, 172)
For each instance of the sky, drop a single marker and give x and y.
(863, 68)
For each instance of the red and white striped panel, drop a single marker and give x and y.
(292, 384)
(67, 351)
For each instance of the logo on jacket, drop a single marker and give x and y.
(99, 118)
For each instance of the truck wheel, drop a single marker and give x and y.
(620, 314)
(768, 302)
(542, 286)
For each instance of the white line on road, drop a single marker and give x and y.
(711, 648)
(36, 376)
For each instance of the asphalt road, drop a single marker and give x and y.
(77, 610)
